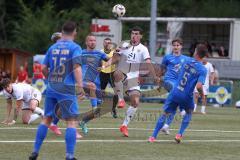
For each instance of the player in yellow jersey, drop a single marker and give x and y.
(106, 74)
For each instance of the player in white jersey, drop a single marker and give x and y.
(27, 99)
(209, 79)
(129, 57)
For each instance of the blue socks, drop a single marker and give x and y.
(40, 136)
(70, 139)
(55, 120)
(159, 125)
(185, 122)
(94, 102)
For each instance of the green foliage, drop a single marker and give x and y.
(30, 23)
(32, 32)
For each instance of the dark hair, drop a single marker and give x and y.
(202, 50)
(178, 40)
(5, 82)
(69, 27)
(107, 39)
(137, 28)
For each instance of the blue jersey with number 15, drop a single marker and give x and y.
(191, 72)
(60, 59)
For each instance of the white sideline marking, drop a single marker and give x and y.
(122, 141)
(137, 129)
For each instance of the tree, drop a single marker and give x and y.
(3, 34)
(33, 30)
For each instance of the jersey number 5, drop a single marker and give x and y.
(184, 79)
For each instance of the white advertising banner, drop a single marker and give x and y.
(103, 28)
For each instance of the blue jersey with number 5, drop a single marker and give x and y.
(192, 71)
(60, 59)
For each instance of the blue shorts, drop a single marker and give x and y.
(68, 106)
(173, 101)
(168, 85)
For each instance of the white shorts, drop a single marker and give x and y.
(205, 90)
(37, 95)
(133, 81)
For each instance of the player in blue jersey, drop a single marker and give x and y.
(192, 74)
(64, 86)
(91, 62)
(53, 127)
(172, 64)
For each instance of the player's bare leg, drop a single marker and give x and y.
(204, 103)
(118, 81)
(36, 111)
(93, 98)
(134, 101)
(196, 95)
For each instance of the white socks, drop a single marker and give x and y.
(33, 118)
(203, 109)
(39, 111)
(129, 114)
(165, 126)
(119, 89)
(195, 107)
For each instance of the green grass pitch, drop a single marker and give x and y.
(214, 136)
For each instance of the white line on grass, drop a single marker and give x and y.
(124, 141)
(138, 129)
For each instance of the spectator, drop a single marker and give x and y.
(215, 76)
(192, 47)
(214, 50)
(222, 52)
(37, 71)
(8, 74)
(4, 75)
(22, 76)
(209, 48)
(160, 50)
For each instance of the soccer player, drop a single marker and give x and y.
(53, 127)
(129, 57)
(56, 36)
(172, 63)
(64, 86)
(192, 74)
(27, 99)
(106, 74)
(209, 79)
(91, 62)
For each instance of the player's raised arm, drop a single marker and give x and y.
(113, 60)
(152, 70)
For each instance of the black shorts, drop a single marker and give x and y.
(106, 78)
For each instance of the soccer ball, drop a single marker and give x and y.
(118, 10)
